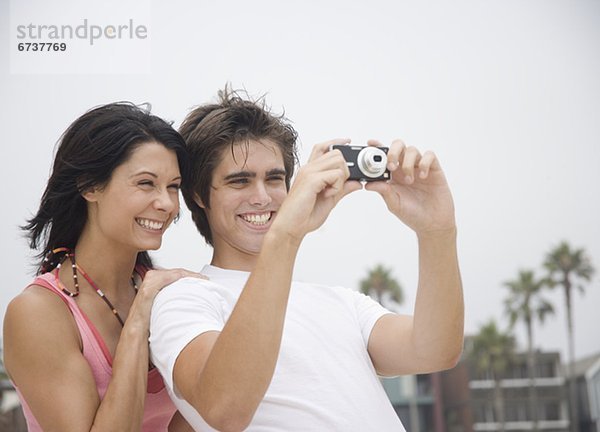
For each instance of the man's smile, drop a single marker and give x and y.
(258, 219)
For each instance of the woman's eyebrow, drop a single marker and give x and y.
(150, 173)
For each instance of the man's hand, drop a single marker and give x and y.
(417, 193)
(318, 187)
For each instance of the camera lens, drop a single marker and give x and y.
(372, 161)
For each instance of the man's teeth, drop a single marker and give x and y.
(147, 223)
(257, 219)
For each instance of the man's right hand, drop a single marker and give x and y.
(317, 188)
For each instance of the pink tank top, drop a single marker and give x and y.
(158, 408)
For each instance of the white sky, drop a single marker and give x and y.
(507, 93)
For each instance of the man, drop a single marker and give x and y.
(253, 350)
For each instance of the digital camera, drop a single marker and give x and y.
(366, 163)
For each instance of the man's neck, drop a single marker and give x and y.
(240, 263)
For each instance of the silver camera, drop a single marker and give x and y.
(366, 163)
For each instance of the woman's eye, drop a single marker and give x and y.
(146, 183)
(175, 186)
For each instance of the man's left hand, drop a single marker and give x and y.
(417, 193)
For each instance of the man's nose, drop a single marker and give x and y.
(260, 195)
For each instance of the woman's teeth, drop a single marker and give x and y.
(150, 224)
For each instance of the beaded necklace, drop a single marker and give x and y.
(75, 267)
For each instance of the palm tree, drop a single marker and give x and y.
(379, 283)
(525, 303)
(491, 353)
(565, 268)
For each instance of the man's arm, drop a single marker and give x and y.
(432, 339)
(224, 375)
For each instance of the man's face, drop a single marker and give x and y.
(248, 187)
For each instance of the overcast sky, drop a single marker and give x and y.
(505, 92)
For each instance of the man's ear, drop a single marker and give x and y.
(199, 201)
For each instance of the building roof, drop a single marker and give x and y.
(587, 364)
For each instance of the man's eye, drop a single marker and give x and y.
(239, 181)
(276, 179)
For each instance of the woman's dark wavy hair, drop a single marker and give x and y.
(210, 129)
(88, 153)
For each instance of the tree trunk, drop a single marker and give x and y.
(499, 404)
(413, 407)
(531, 375)
(438, 403)
(572, 379)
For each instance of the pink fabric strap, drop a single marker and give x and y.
(94, 348)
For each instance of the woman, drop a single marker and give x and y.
(76, 340)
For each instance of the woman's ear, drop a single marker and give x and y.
(90, 195)
(89, 192)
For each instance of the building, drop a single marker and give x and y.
(417, 400)
(469, 398)
(587, 371)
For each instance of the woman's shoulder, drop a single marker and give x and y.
(38, 312)
(45, 290)
(37, 297)
(41, 340)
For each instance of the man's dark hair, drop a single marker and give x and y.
(210, 129)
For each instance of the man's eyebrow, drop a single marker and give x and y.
(239, 174)
(248, 174)
(275, 172)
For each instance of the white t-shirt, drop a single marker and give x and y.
(324, 379)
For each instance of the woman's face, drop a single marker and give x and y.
(140, 200)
